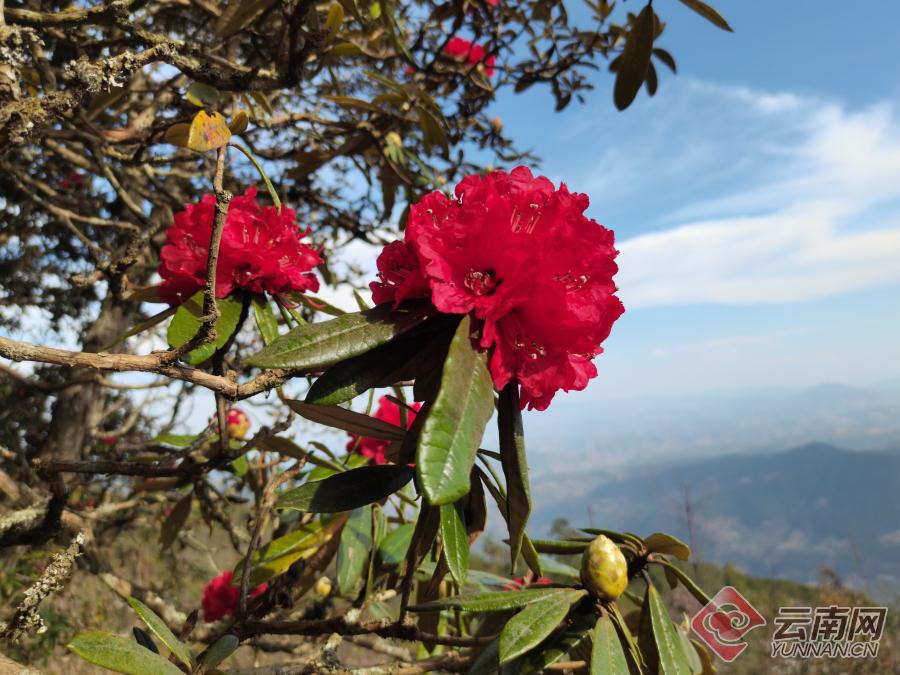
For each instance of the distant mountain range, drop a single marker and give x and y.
(583, 432)
(775, 514)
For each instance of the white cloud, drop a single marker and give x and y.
(821, 216)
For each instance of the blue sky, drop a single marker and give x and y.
(756, 200)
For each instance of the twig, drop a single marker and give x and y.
(27, 619)
(265, 509)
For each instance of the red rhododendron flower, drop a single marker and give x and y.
(220, 597)
(521, 255)
(261, 250)
(374, 448)
(400, 277)
(464, 50)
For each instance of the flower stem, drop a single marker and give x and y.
(271, 188)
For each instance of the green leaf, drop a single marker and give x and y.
(433, 133)
(672, 659)
(398, 360)
(279, 554)
(140, 327)
(607, 655)
(335, 18)
(456, 541)
(203, 95)
(666, 544)
(635, 59)
(488, 661)
(708, 13)
(162, 631)
(497, 601)
(527, 629)
(120, 655)
(515, 467)
(348, 490)
(266, 321)
(559, 547)
(218, 652)
(571, 635)
(175, 440)
(177, 518)
(185, 325)
(455, 424)
(356, 540)
(393, 548)
(238, 14)
(683, 577)
(347, 420)
(318, 345)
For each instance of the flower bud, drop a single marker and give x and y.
(323, 587)
(497, 125)
(238, 423)
(604, 569)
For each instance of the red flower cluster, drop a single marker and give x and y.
(463, 50)
(523, 257)
(374, 448)
(260, 251)
(220, 597)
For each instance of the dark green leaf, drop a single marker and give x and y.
(527, 629)
(401, 359)
(488, 661)
(266, 321)
(708, 13)
(672, 659)
(515, 467)
(569, 637)
(120, 655)
(607, 655)
(455, 424)
(559, 547)
(218, 652)
(394, 546)
(347, 420)
(356, 540)
(162, 631)
(666, 544)
(348, 490)
(186, 323)
(177, 518)
(456, 542)
(319, 345)
(491, 602)
(144, 639)
(666, 58)
(635, 58)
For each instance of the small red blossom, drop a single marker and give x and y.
(375, 448)
(521, 255)
(466, 51)
(220, 597)
(261, 250)
(519, 583)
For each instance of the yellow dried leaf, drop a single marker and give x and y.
(177, 134)
(208, 132)
(239, 123)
